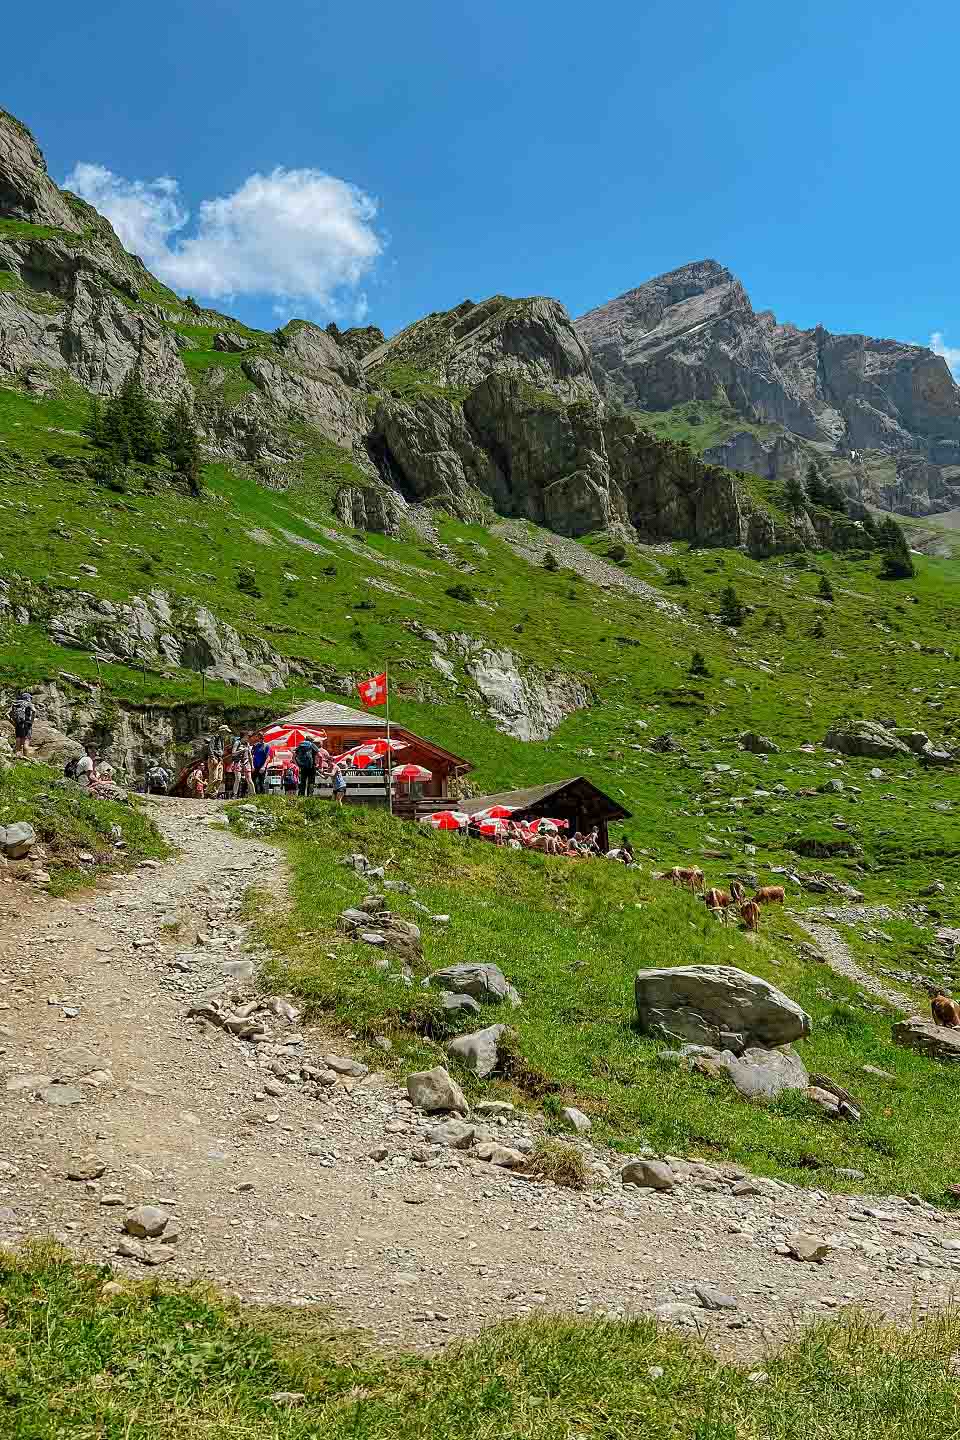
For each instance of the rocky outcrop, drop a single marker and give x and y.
(26, 190)
(521, 700)
(372, 508)
(157, 629)
(864, 737)
(693, 335)
(717, 1005)
(922, 1035)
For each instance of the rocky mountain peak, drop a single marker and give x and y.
(26, 190)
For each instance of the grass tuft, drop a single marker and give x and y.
(560, 1163)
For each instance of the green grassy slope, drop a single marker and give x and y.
(571, 937)
(154, 1361)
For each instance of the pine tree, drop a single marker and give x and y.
(732, 609)
(140, 416)
(794, 495)
(181, 445)
(698, 665)
(815, 486)
(834, 498)
(897, 560)
(94, 426)
(870, 531)
(825, 589)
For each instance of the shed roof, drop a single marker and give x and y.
(329, 712)
(576, 791)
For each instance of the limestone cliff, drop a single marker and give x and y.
(693, 335)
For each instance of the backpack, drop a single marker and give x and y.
(70, 769)
(22, 712)
(304, 755)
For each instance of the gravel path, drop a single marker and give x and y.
(284, 1194)
(837, 955)
(532, 544)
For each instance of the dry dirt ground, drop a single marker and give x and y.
(279, 1197)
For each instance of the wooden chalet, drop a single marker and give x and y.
(578, 801)
(345, 728)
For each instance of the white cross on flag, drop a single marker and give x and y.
(374, 690)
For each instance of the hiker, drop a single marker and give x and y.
(196, 785)
(306, 757)
(214, 761)
(290, 779)
(242, 767)
(591, 844)
(22, 716)
(261, 759)
(86, 772)
(339, 783)
(158, 778)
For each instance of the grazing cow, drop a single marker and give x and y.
(769, 895)
(945, 1011)
(737, 892)
(718, 901)
(750, 915)
(688, 876)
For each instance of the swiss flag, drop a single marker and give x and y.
(374, 690)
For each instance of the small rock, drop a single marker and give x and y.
(61, 1095)
(455, 1134)
(478, 1051)
(496, 1154)
(808, 1248)
(146, 1222)
(434, 1090)
(648, 1175)
(575, 1120)
(713, 1299)
(344, 1066)
(91, 1167)
(674, 1312)
(288, 1397)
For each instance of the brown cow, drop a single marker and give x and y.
(718, 901)
(769, 895)
(688, 876)
(750, 915)
(945, 1011)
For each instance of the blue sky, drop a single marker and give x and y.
(403, 158)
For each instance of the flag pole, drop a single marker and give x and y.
(389, 751)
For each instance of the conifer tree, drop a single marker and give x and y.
(897, 560)
(732, 609)
(794, 495)
(181, 445)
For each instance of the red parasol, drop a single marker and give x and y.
(288, 737)
(409, 773)
(447, 820)
(495, 812)
(492, 827)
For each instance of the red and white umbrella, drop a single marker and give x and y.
(288, 737)
(409, 773)
(548, 827)
(447, 820)
(492, 827)
(495, 812)
(371, 751)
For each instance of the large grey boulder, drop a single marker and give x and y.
(479, 1051)
(434, 1090)
(18, 840)
(922, 1035)
(717, 1005)
(648, 1175)
(932, 755)
(864, 737)
(483, 982)
(761, 1074)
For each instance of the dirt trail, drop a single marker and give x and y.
(837, 954)
(277, 1198)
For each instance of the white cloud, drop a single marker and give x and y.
(950, 353)
(297, 235)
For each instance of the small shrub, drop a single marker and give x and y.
(732, 609)
(246, 581)
(461, 592)
(617, 553)
(675, 576)
(550, 561)
(698, 664)
(825, 589)
(819, 631)
(560, 1163)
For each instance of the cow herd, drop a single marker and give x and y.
(722, 902)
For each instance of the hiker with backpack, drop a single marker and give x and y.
(22, 716)
(158, 778)
(290, 780)
(306, 755)
(261, 759)
(214, 759)
(242, 767)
